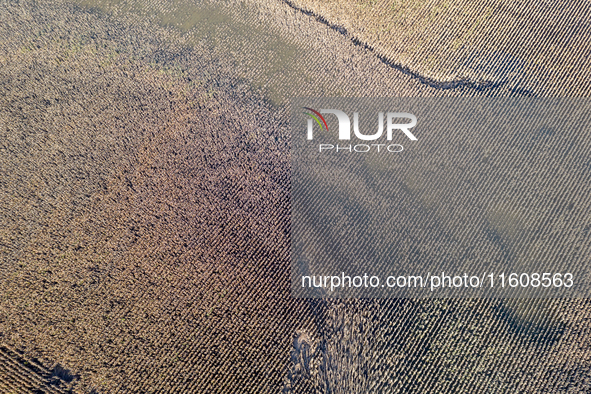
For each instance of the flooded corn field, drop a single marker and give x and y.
(146, 196)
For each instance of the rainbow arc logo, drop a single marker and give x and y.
(317, 117)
